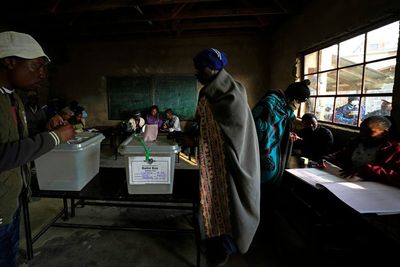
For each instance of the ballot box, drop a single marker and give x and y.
(70, 165)
(150, 166)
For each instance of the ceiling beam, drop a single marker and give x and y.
(217, 25)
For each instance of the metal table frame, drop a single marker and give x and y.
(109, 188)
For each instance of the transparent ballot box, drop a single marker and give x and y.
(71, 165)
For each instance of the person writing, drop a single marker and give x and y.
(373, 155)
(228, 159)
(22, 66)
(77, 121)
(172, 124)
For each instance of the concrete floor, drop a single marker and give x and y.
(88, 247)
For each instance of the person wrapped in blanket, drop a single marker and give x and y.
(228, 157)
(373, 155)
(273, 116)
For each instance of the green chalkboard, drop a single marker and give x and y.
(178, 93)
(127, 94)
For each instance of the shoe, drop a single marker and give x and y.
(217, 256)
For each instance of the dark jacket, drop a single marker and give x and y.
(16, 150)
(316, 144)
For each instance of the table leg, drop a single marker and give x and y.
(27, 225)
(72, 207)
(196, 226)
(65, 202)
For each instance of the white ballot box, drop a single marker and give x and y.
(70, 166)
(153, 174)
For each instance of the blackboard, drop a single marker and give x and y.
(127, 94)
(177, 93)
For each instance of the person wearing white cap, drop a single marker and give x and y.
(22, 65)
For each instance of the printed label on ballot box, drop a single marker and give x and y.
(144, 172)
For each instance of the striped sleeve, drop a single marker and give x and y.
(55, 137)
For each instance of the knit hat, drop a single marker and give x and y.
(212, 58)
(20, 45)
(298, 91)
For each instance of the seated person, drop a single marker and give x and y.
(60, 119)
(153, 117)
(136, 123)
(172, 124)
(77, 121)
(315, 140)
(373, 155)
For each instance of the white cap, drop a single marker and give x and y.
(20, 45)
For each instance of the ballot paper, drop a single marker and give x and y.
(362, 196)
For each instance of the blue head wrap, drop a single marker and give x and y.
(212, 58)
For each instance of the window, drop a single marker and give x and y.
(353, 79)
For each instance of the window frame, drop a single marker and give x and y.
(363, 92)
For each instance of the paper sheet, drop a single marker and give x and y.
(143, 172)
(367, 197)
(314, 176)
(335, 170)
(150, 132)
(362, 196)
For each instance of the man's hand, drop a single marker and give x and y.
(295, 137)
(65, 132)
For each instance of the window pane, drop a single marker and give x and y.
(346, 111)
(377, 106)
(310, 63)
(379, 76)
(328, 58)
(324, 108)
(308, 106)
(382, 42)
(313, 83)
(350, 80)
(327, 83)
(351, 51)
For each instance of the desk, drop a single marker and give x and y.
(109, 188)
(326, 222)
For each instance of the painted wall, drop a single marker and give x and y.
(321, 21)
(78, 70)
